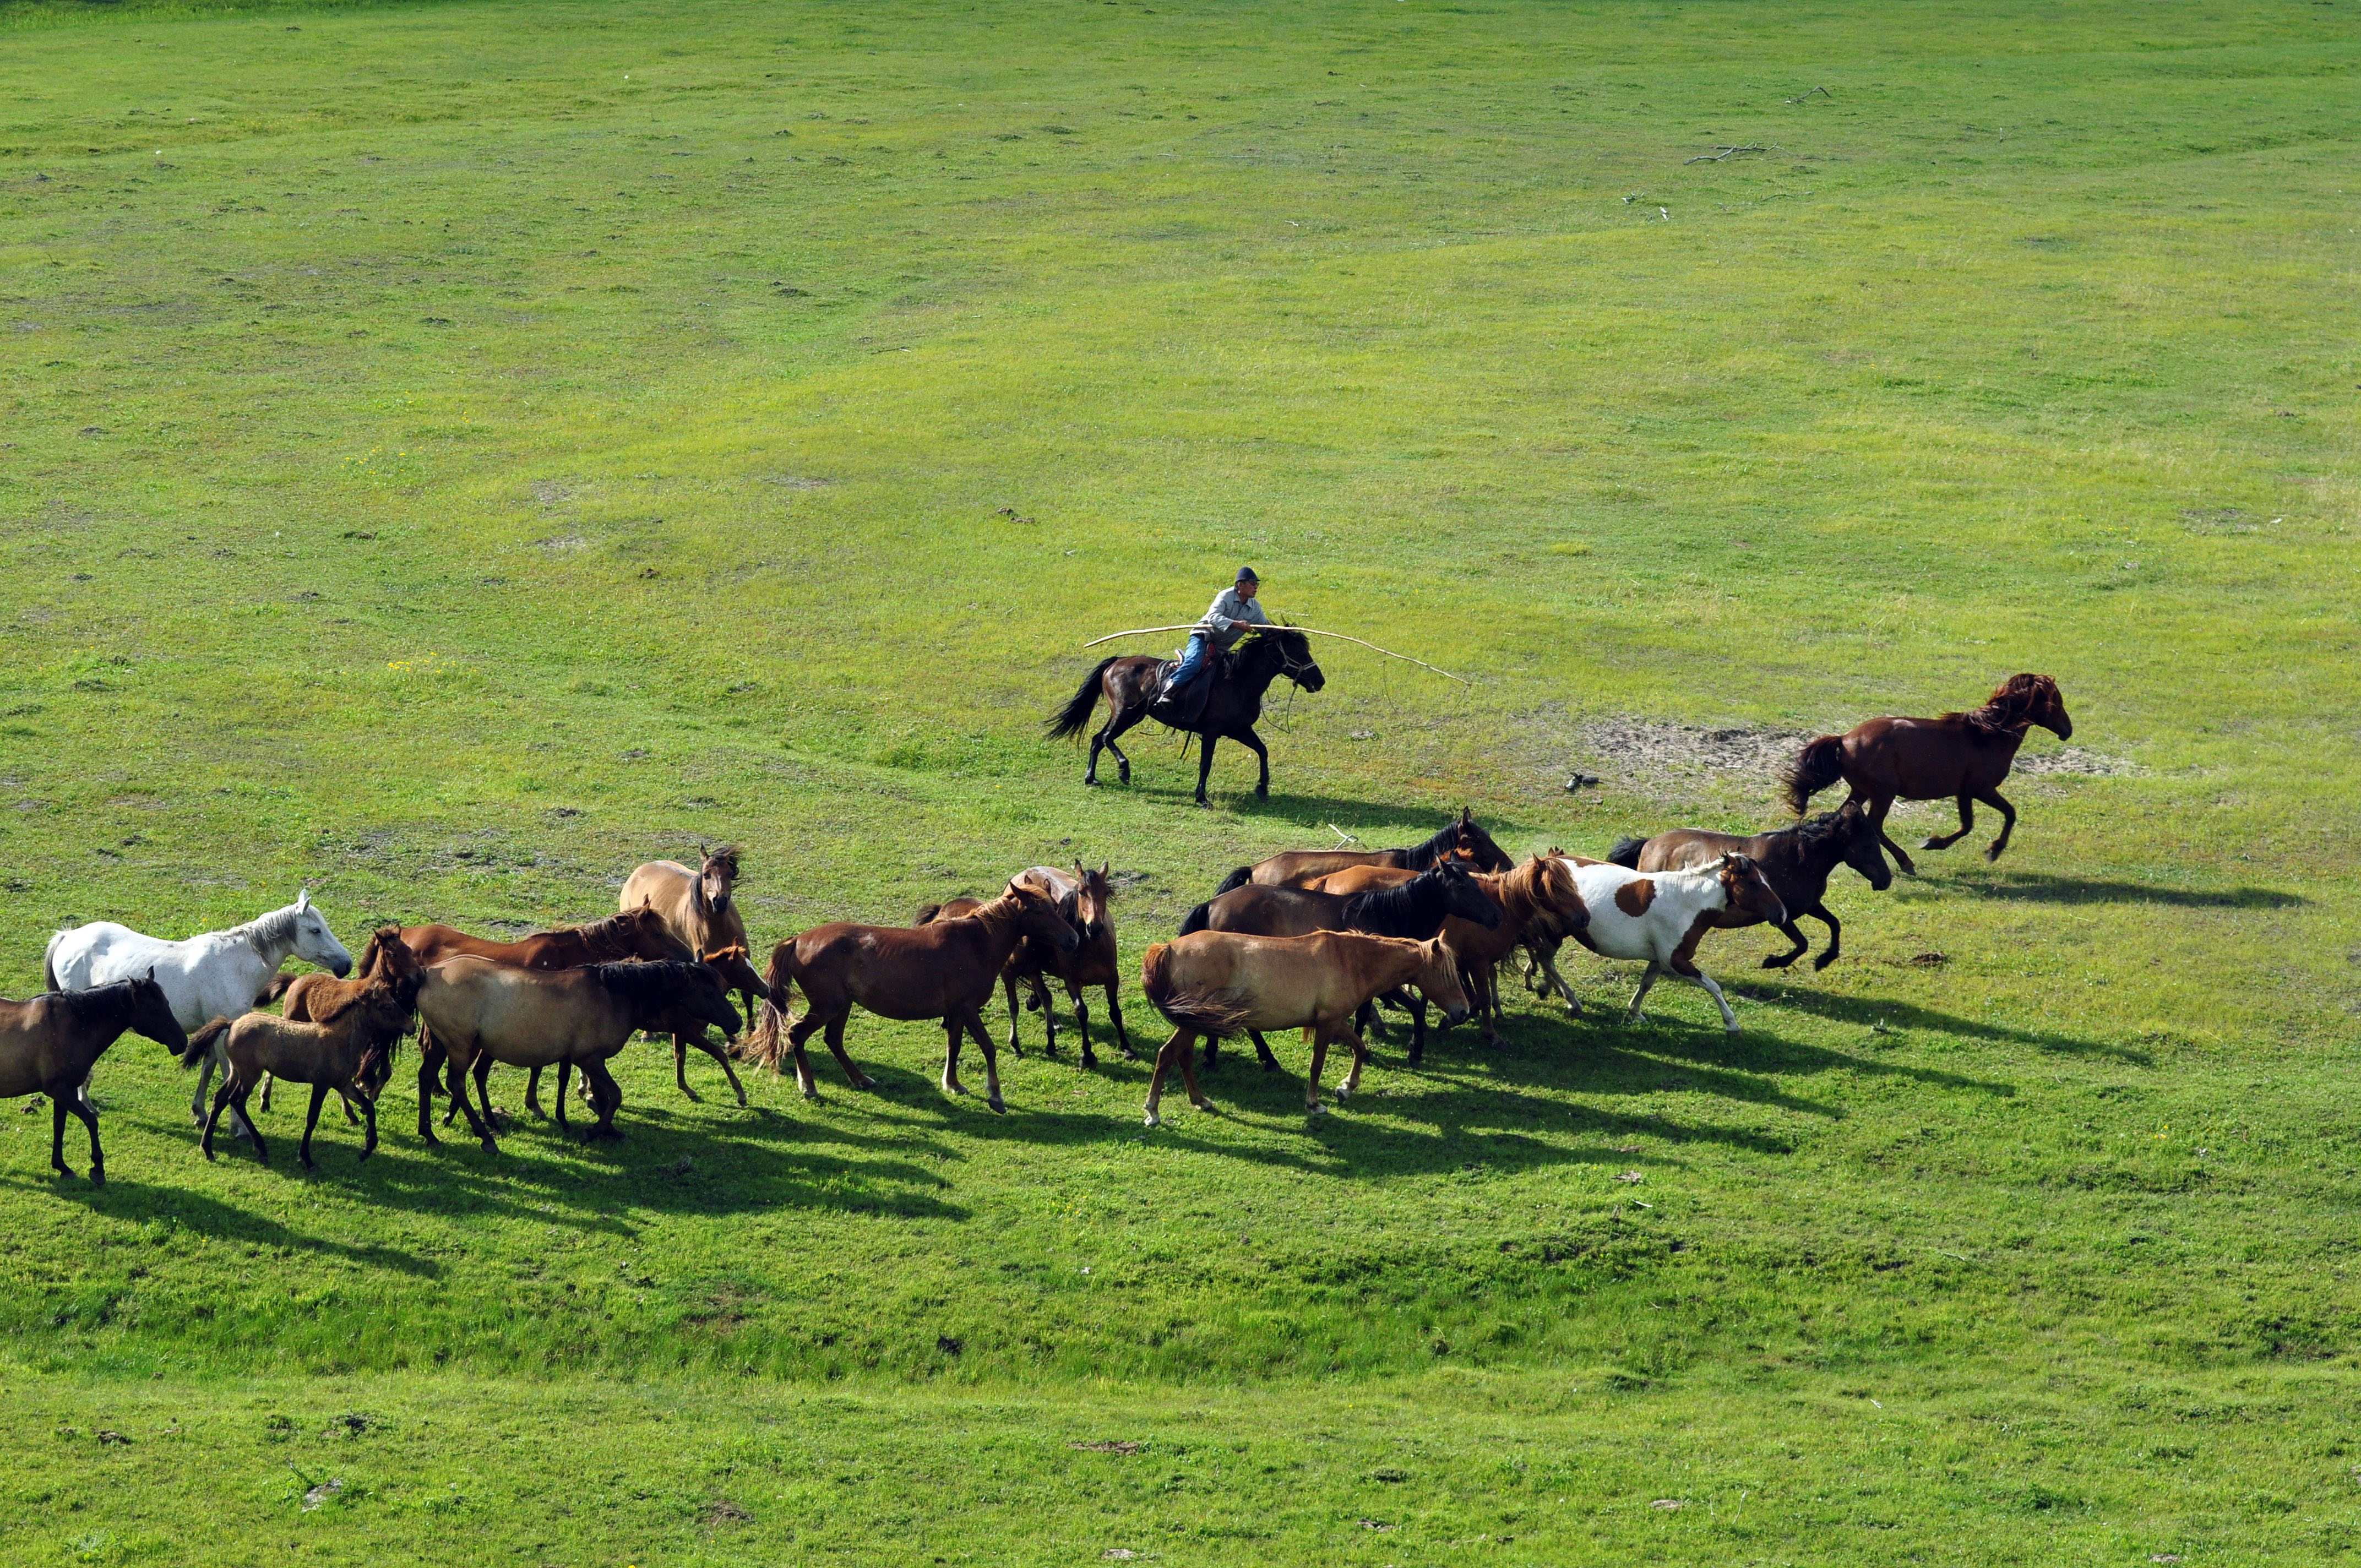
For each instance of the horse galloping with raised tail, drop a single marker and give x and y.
(1961, 756)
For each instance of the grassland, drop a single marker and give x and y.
(449, 454)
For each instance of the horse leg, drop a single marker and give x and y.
(1704, 982)
(1318, 1034)
(721, 1054)
(1122, 721)
(1478, 983)
(1114, 1011)
(311, 1122)
(457, 1080)
(1262, 1052)
(1967, 821)
(1352, 1084)
(1253, 742)
(974, 1021)
(97, 1160)
(1183, 1046)
(483, 1087)
(836, 1044)
(1049, 1017)
(532, 1093)
(952, 1029)
(427, 1058)
(1877, 810)
(564, 1077)
(1646, 979)
(680, 1063)
(606, 1097)
(1205, 764)
(1082, 1021)
(1819, 912)
(2007, 820)
(1417, 1030)
(58, 1134)
(222, 1100)
(1549, 967)
(1009, 980)
(268, 1080)
(368, 1144)
(237, 1106)
(1781, 960)
(204, 1083)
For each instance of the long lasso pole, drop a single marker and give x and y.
(1308, 631)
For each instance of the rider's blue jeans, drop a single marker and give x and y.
(1192, 660)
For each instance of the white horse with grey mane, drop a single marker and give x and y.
(216, 975)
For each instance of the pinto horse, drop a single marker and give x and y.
(1961, 756)
(1796, 861)
(945, 968)
(1211, 984)
(1662, 918)
(1239, 679)
(1461, 840)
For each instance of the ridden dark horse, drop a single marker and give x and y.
(1238, 679)
(1961, 756)
(1795, 862)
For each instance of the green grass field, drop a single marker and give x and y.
(450, 454)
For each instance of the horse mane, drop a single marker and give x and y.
(1421, 857)
(279, 926)
(2008, 712)
(1815, 832)
(81, 1006)
(1392, 908)
(726, 859)
(607, 931)
(646, 981)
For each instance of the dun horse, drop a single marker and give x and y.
(334, 1055)
(1415, 908)
(1797, 861)
(943, 970)
(1240, 678)
(639, 932)
(1461, 840)
(48, 1045)
(700, 908)
(1083, 898)
(1212, 983)
(471, 1007)
(1961, 756)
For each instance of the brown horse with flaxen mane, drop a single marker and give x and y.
(1961, 756)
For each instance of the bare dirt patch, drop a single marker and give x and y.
(2073, 761)
(1630, 746)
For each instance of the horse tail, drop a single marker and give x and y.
(1626, 854)
(202, 1042)
(927, 913)
(1207, 1013)
(1076, 715)
(1816, 767)
(50, 961)
(1196, 919)
(762, 1044)
(1235, 879)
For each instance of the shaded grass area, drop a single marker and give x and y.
(455, 453)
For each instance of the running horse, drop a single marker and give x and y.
(1239, 679)
(1961, 756)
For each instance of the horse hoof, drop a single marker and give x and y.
(1091, 784)
(1992, 855)
(1153, 1120)
(866, 1083)
(98, 1176)
(1823, 960)
(997, 1103)
(491, 1148)
(1930, 844)
(1778, 960)
(1316, 1110)
(1203, 1104)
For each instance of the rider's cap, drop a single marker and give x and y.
(1246, 574)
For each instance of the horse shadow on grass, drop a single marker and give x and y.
(1872, 1012)
(2039, 887)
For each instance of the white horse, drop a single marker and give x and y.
(217, 974)
(1662, 917)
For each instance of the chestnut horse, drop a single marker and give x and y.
(1239, 678)
(335, 1055)
(1082, 899)
(637, 933)
(1796, 861)
(943, 970)
(48, 1045)
(1961, 756)
(1211, 984)
(1461, 840)
(316, 999)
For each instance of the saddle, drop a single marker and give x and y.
(1182, 712)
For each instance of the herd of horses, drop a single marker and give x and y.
(1307, 939)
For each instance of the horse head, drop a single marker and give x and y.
(1860, 847)
(697, 988)
(314, 941)
(151, 1013)
(736, 969)
(1463, 895)
(1037, 915)
(1438, 977)
(1750, 889)
(2026, 698)
(1477, 844)
(1091, 907)
(1295, 661)
(717, 874)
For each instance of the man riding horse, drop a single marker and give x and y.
(1231, 615)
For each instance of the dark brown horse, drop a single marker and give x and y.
(1797, 861)
(1961, 756)
(943, 970)
(639, 932)
(48, 1045)
(1239, 679)
(1083, 898)
(1461, 840)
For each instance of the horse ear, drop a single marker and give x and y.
(303, 899)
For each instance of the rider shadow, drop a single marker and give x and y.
(2039, 887)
